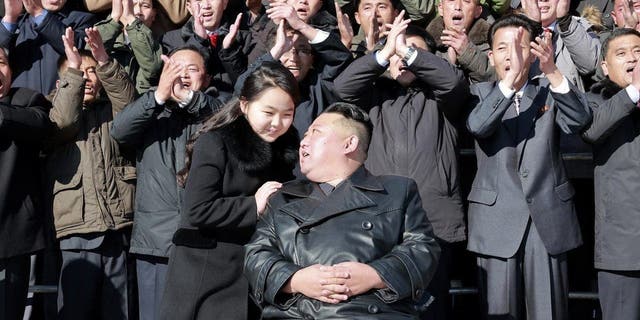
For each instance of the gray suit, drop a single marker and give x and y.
(520, 200)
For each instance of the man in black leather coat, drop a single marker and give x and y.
(344, 244)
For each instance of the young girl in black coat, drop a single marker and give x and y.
(234, 163)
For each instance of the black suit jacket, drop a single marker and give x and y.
(520, 171)
(24, 122)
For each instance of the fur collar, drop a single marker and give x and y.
(477, 35)
(606, 88)
(255, 155)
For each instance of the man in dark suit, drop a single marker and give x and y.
(24, 123)
(615, 136)
(344, 244)
(521, 216)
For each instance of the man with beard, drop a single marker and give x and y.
(91, 182)
(615, 138)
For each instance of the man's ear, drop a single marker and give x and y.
(477, 12)
(357, 16)
(351, 144)
(58, 84)
(440, 8)
(605, 69)
(490, 55)
(613, 16)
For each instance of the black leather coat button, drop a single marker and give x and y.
(304, 230)
(367, 225)
(373, 308)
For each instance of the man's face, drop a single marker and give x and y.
(397, 68)
(53, 5)
(211, 11)
(322, 148)
(500, 54)
(621, 57)
(383, 10)
(618, 14)
(299, 59)
(92, 84)
(144, 11)
(194, 75)
(5, 74)
(459, 14)
(306, 8)
(547, 11)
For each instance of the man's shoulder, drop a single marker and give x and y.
(25, 97)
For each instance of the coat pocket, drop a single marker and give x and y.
(126, 184)
(565, 191)
(68, 202)
(483, 196)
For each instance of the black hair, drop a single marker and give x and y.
(63, 58)
(268, 75)
(616, 34)
(413, 30)
(516, 21)
(353, 113)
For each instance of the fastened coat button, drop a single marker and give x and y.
(418, 293)
(529, 200)
(367, 225)
(373, 308)
(259, 296)
(304, 230)
(524, 173)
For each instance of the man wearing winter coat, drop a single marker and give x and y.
(91, 182)
(158, 125)
(414, 111)
(344, 244)
(24, 228)
(615, 136)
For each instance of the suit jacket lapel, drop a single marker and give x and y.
(533, 99)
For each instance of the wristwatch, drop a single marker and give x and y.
(410, 52)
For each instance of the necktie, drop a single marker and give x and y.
(213, 39)
(516, 100)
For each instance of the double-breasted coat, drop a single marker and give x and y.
(377, 220)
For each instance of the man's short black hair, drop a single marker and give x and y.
(413, 30)
(516, 21)
(616, 33)
(353, 113)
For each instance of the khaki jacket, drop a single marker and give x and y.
(91, 183)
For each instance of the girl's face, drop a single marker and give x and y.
(270, 114)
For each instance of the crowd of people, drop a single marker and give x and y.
(298, 159)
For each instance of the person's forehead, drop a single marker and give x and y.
(88, 62)
(623, 42)
(507, 34)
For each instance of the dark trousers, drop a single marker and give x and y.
(439, 286)
(619, 294)
(14, 284)
(152, 272)
(93, 283)
(530, 285)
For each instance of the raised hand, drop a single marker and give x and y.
(362, 277)
(344, 26)
(283, 10)
(319, 282)
(233, 31)
(169, 77)
(96, 45)
(127, 12)
(263, 194)
(543, 49)
(373, 33)
(630, 15)
(12, 10)
(74, 60)
(33, 7)
(116, 10)
(198, 24)
(396, 32)
(456, 39)
(516, 60)
(283, 42)
(531, 9)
